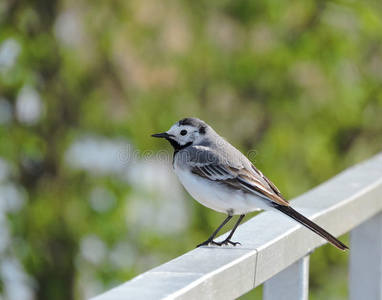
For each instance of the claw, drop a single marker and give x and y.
(234, 243)
(225, 242)
(206, 243)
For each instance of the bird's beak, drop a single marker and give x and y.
(161, 135)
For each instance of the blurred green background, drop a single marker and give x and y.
(88, 200)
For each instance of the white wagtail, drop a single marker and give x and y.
(220, 177)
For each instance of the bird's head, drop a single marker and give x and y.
(184, 133)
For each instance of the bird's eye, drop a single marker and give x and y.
(183, 132)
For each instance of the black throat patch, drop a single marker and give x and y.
(177, 147)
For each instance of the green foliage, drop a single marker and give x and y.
(299, 82)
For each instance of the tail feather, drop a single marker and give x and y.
(289, 211)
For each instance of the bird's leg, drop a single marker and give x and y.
(210, 239)
(228, 239)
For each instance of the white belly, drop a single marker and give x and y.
(217, 196)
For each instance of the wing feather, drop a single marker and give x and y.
(232, 168)
(243, 179)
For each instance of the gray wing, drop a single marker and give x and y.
(234, 170)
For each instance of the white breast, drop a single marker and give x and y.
(217, 196)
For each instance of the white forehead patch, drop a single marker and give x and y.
(174, 130)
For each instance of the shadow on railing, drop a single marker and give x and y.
(275, 251)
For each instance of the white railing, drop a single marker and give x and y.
(275, 251)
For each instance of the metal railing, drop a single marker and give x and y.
(275, 251)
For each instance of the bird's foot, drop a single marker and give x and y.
(206, 243)
(226, 242)
(212, 242)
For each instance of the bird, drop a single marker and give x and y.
(220, 177)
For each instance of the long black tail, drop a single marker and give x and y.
(289, 211)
